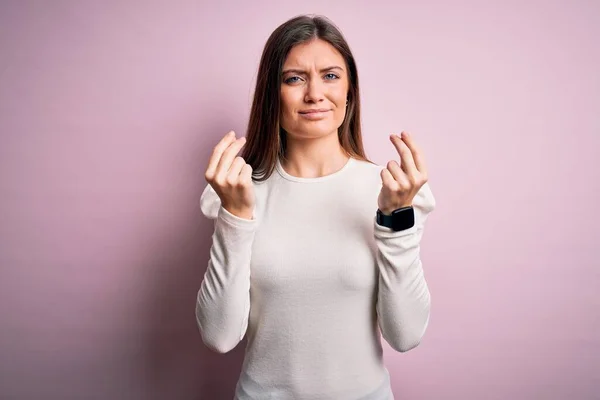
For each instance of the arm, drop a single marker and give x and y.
(403, 296)
(223, 301)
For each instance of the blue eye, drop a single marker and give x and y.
(294, 79)
(289, 80)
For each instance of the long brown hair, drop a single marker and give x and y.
(265, 139)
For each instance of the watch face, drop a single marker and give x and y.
(401, 210)
(403, 218)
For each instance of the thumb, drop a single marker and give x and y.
(386, 178)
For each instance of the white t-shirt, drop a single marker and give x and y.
(314, 282)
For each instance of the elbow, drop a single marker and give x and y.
(406, 337)
(404, 344)
(407, 340)
(215, 340)
(218, 346)
(213, 337)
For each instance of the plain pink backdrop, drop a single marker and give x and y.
(109, 110)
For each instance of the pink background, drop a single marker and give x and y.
(109, 110)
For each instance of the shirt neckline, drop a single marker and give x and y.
(293, 178)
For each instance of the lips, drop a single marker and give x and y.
(320, 110)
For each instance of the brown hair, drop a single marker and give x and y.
(265, 139)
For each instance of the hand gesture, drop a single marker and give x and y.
(231, 177)
(401, 182)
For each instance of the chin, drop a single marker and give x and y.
(316, 130)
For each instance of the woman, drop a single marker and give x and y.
(307, 258)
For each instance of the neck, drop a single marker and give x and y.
(314, 157)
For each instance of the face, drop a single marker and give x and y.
(314, 89)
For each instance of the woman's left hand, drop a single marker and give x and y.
(401, 182)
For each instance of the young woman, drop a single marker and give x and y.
(315, 251)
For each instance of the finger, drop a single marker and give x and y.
(408, 162)
(246, 174)
(399, 175)
(406, 158)
(416, 152)
(233, 175)
(213, 162)
(388, 181)
(228, 156)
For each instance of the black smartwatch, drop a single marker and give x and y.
(401, 219)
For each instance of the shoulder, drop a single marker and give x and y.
(367, 171)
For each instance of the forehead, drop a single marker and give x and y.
(316, 52)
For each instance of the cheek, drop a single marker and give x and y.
(288, 101)
(287, 109)
(339, 96)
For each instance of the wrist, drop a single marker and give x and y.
(398, 220)
(389, 211)
(243, 214)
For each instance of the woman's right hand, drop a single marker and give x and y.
(231, 177)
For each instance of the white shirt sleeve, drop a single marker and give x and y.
(223, 301)
(403, 300)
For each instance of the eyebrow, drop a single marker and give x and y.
(300, 71)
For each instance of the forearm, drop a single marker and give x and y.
(223, 301)
(403, 299)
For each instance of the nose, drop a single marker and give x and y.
(314, 91)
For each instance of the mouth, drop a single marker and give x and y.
(314, 114)
(314, 111)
